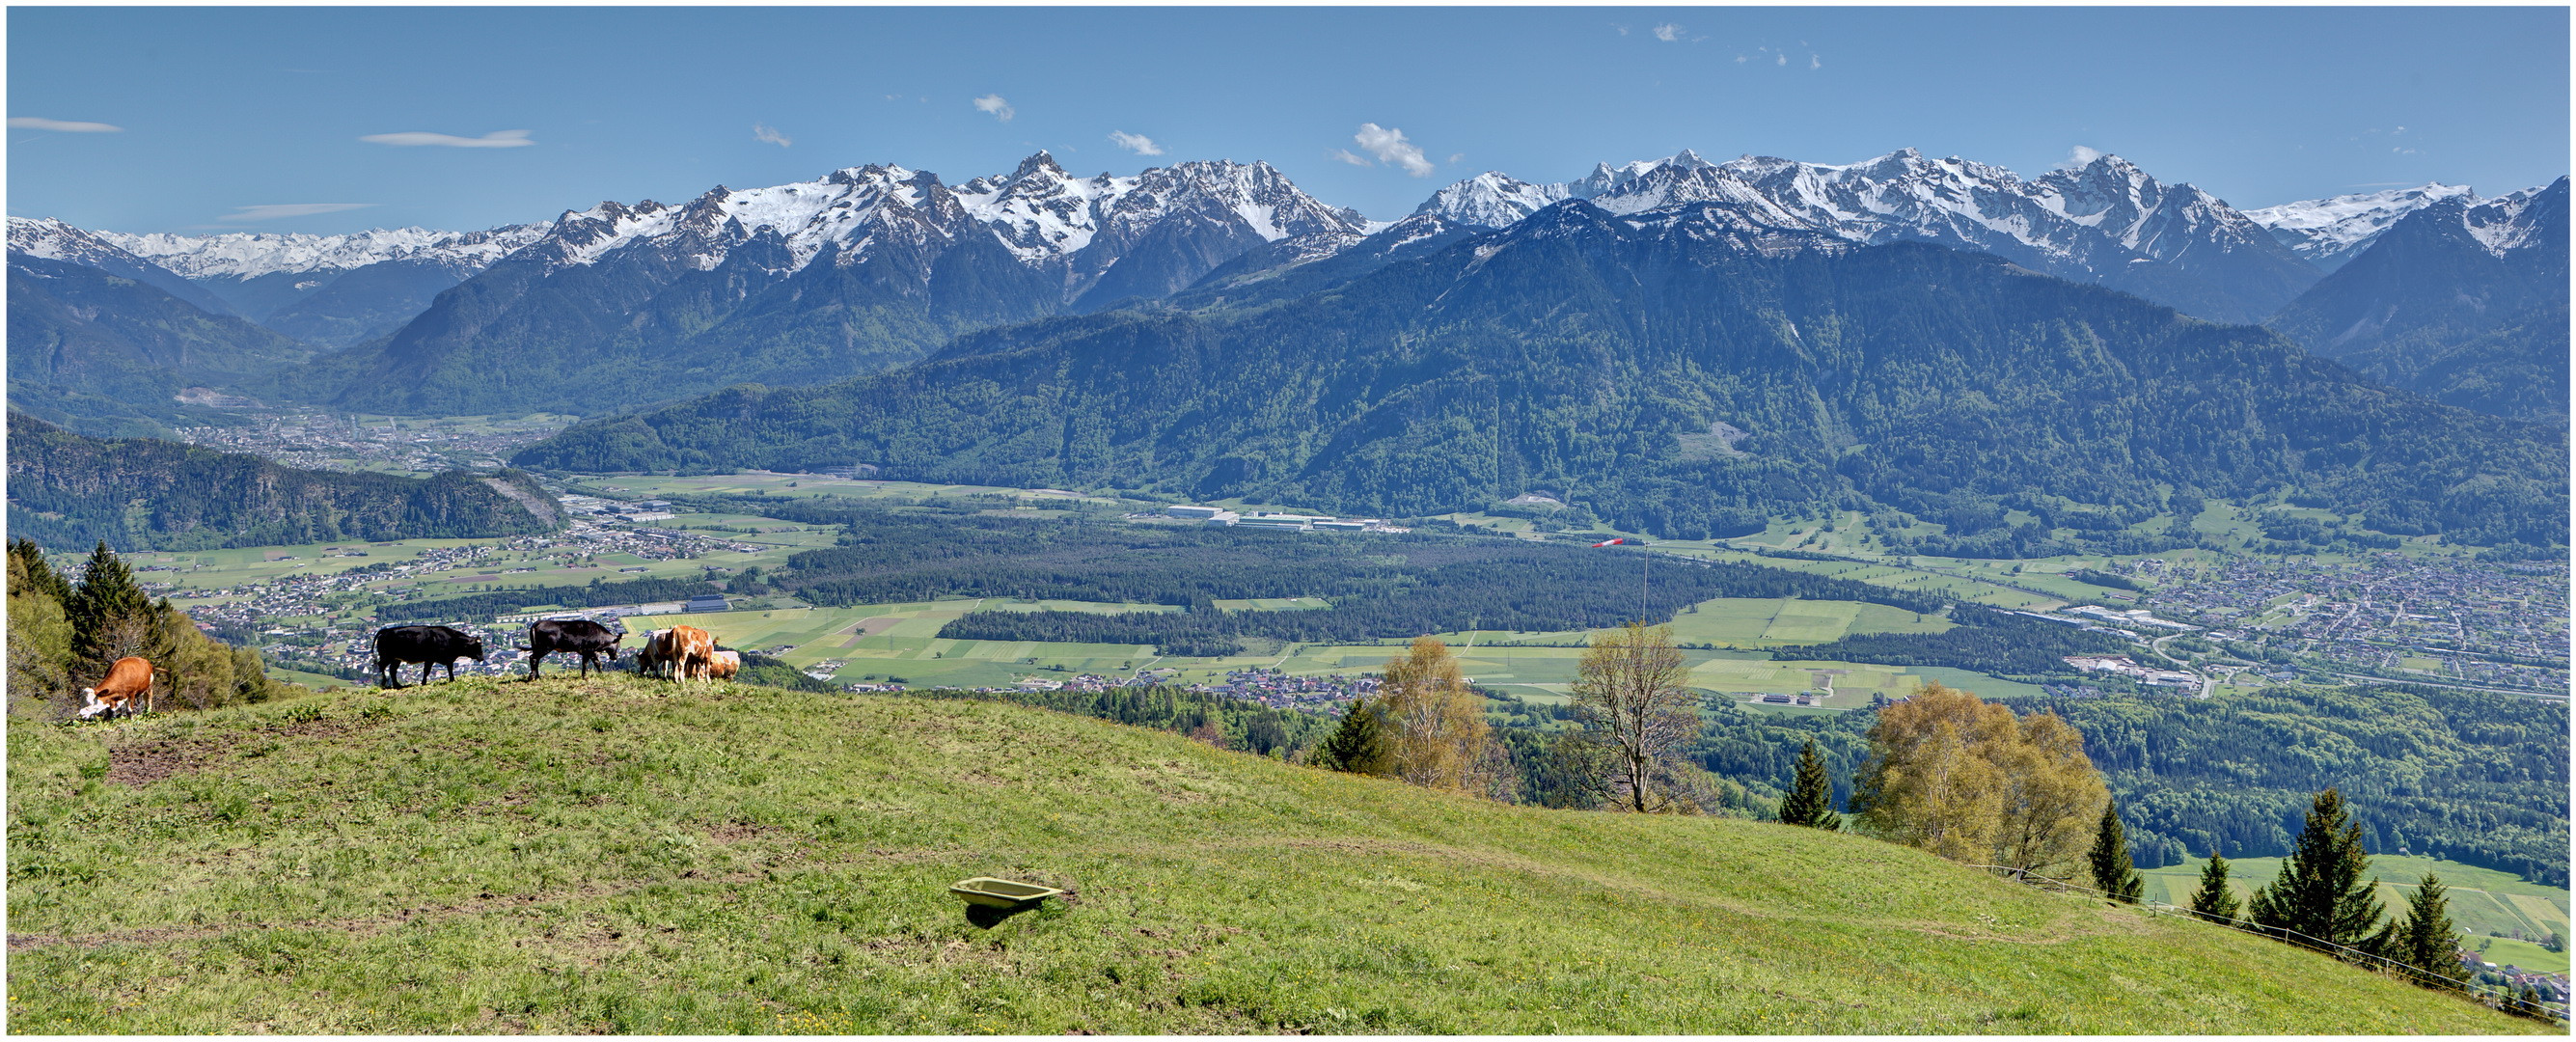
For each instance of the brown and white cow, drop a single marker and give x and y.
(130, 678)
(692, 651)
(726, 664)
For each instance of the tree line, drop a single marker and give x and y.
(481, 607)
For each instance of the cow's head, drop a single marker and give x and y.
(474, 648)
(91, 707)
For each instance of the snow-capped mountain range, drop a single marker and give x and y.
(2106, 221)
(248, 255)
(2328, 232)
(1076, 229)
(873, 266)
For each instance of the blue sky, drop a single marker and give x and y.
(256, 119)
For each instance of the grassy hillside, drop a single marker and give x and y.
(619, 856)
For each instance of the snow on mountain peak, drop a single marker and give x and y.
(246, 255)
(2331, 230)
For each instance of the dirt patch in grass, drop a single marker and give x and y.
(138, 764)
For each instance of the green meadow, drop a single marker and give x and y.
(622, 855)
(2482, 901)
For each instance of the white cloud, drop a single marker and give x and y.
(1668, 32)
(495, 139)
(1345, 155)
(68, 126)
(1739, 59)
(1784, 58)
(276, 211)
(1137, 143)
(1456, 156)
(1389, 146)
(769, 135)
(1623, 30)
(999, 108)
(2079, 157)
(1814, 62)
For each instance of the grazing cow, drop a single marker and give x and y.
(653, 659)
(577, 636)
(128, 679)
(692, 651)
(428, 645)
(726, 664)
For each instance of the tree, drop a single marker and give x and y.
(1966, 779)
(1361, 745)
(2427, 942)
(40, 633)
(2215, 900)
(111, 616)
(2320, 894)
(1811, 798)
(1436, 721)
(1632, 697)
(2110, 858)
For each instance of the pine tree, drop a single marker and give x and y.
(2214, 901)
(111, 616)
(2111, 869)
(1361, 745)
(28, 567)
(2427, 943)
(2320, 892)
(1811, 798)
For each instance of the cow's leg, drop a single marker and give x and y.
(425, 667)
(535, 659)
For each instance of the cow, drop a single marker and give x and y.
(726, 664)
(428, 645)
(654, 657)
(576, 636)
(129, 678)
(692, 651)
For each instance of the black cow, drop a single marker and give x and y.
(578, 636)
(428, 645)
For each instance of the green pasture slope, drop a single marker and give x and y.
(624, 855)
(2483, 901)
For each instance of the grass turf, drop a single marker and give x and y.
(622, 855)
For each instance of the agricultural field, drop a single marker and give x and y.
(765, 483)
(2482, 901)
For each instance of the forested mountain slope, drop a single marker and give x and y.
(1687, 372)
(2463, 302)
(68, 491)
(88, 345)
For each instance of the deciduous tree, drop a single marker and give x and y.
(1965, 779)
(1633, 697)
(1437, 722)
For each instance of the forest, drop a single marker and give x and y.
(68, 491)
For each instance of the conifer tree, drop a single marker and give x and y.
(1361, 745)
(2427, 942)
(28, 567)
(2112, 871)
(2320, 892)
(1811, 798)
(2214, 901)
(111, 617)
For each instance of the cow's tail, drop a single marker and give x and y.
(523, 647)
